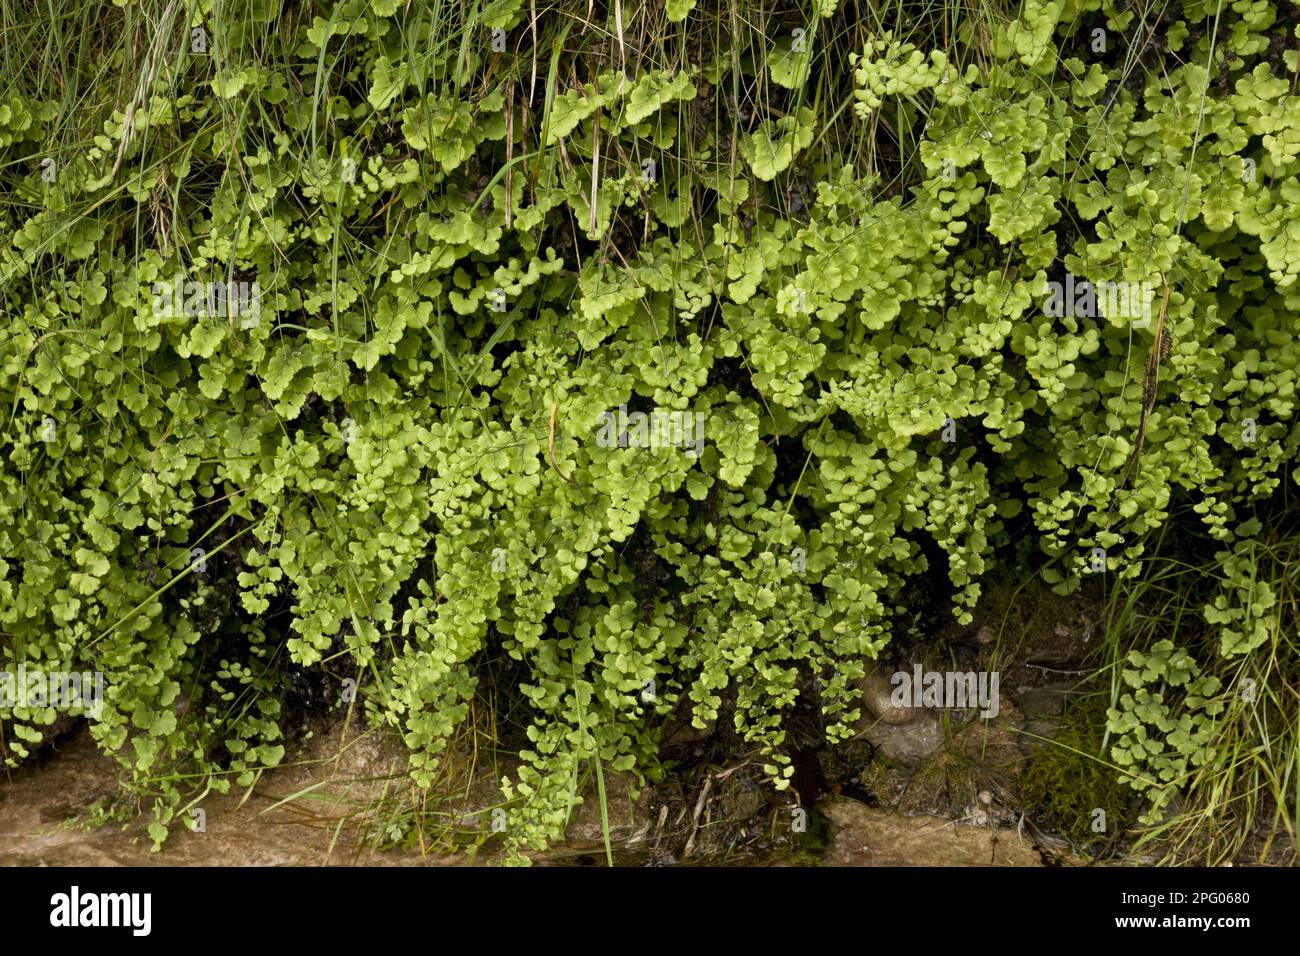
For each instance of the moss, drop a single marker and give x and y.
(812, 845)
(1067, 780)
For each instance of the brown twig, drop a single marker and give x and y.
(1159, 351)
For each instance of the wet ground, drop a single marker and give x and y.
(919, 787)
(39, 807)
(278, 824)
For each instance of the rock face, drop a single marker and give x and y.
(907, 744)
(626, 809)
(863, 836)
(1042, 701)
(1037, 733)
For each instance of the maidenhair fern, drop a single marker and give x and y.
(470, 249)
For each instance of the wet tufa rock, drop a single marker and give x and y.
(1038, 733)
(863, 836)
(908, 744)
(1041, 701)
(627, 809)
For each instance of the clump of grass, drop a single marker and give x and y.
(1239, 805)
